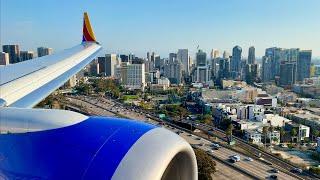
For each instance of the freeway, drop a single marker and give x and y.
(275, 161)
(255, 168)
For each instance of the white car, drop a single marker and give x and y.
(249, 159)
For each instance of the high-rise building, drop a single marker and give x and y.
(111, 62)
(202, 74)
(102, 65)
(201, 59)
(266, 73)
(43, 51)
(275, 55)
(13, 51)
(225, 54)
(214, 54)
(4, 58)
(224, 68)
(287, 74)
(251, 56)
(157, 62)
(135, 78)
(183, 58)
(251, 72)
(304, 64)
(124, 58)
(26, 55)
(173, 71)
(235, 65)
(172, 57)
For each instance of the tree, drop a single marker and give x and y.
(207, 119)
(206, 166)
(265, 132)
(293, 132)
(229, 132)
(282, 133)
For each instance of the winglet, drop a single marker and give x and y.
(88, 35)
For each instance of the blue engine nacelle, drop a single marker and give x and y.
(58, 144)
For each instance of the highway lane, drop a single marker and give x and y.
(255, 168)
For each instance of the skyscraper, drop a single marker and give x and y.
(172, 57)
(214, 53)
(26, 55)
(111, 62)
(266, 74)
(287, 74)
(225, 54)
(183, 57)
(173, 71)
(43, 51)
(304, 64)
(201, 59)
(251, 56)
(275, 55)
(4, 58)
(235, 66)
(13, 51)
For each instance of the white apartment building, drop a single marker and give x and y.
(135, 76)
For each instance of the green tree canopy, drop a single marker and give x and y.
(206, 165)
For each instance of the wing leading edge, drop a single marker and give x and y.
(25, 84)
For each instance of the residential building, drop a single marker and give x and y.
(13, 51)
(43, 51)
(201, 58)
(135, 76)
(4, 58)
(173, 71)
(203, 74)
(288, 74)
(253, 136)
(183, 58)
(251, 55)
(235, 66)
(274, 137)
(304, 65)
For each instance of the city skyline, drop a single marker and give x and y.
(165, 27)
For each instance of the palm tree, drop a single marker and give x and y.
(229, 132)
(282, 133)
(265, 131)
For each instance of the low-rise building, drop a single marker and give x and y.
(303, 131)
(253, 136)
(274, 137)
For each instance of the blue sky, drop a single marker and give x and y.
(163, 26)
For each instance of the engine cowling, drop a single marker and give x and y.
(58, 144)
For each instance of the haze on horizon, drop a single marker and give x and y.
(164, 26)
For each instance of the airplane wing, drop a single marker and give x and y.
(25, 84)
(59, 144)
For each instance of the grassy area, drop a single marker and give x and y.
(129, 97)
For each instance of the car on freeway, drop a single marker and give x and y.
(210, 151)
(297, 170)
(197, 138)
(215, 146)
(273, 176)
(274, 170)
(249, 159)
(189, 134)
(235, 158)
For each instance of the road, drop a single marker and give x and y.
(107, 107)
